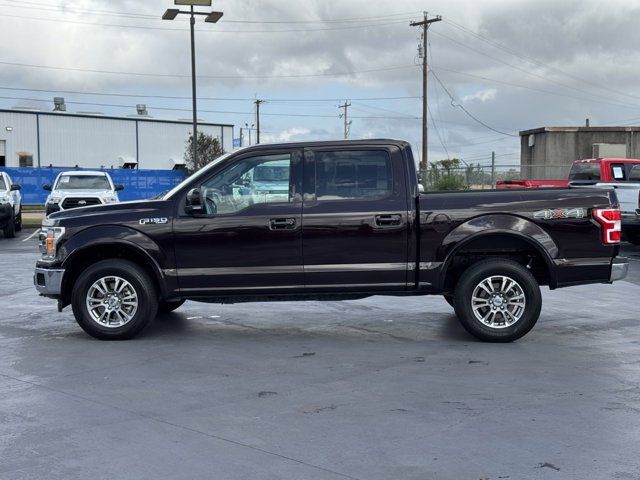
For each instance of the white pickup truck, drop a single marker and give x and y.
(10, 206)
(82, 188)
(621, 174)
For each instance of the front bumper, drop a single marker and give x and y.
(619, 269)
(48, 282)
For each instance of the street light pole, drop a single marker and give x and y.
(193, 88)
(211, 17)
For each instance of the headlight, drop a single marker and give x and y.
(49, 239)
(110, 199)
(54, 199)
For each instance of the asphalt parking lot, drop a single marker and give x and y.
(381, 388)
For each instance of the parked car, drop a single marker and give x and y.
(10, 206)
(351, 224)
(622, 174)
(81, 189)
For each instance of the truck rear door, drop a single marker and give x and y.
(355, 211)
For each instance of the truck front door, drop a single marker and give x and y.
(355, 210)
(250, 238)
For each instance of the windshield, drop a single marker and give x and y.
(3, 186)
(585, 171)
(83, 182)
(199, 173)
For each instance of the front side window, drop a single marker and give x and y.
(83, 182)
(617, 172)
(634, 174)
(249, 181)
(353, 175)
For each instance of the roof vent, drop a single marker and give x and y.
(142, 109)
(59, 105)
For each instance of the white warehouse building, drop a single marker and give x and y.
(34, 138)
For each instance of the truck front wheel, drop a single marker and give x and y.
(114, 300)
(497, 300)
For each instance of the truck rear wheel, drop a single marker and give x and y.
(114, 300)
(497, 300)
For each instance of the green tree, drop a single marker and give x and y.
(209, 148)
(448, 175)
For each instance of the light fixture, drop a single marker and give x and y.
(213, 17)
(170, 14)
(9, 129)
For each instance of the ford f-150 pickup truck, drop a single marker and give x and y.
(350, 223)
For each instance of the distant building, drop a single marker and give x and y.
(548, 152)
(33, 138)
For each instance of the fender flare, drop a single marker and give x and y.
(117, 235)
(499, 225)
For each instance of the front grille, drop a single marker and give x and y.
(80, 202)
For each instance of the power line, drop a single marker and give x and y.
(155, 17)
(454, 103)
(185, 97)
(149, 27)
(176, 75)
(533, 60)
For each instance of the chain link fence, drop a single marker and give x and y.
(450, 175)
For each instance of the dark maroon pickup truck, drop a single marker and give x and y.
(327, 221)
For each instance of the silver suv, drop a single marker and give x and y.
(81, 189)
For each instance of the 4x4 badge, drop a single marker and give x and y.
(556, 213)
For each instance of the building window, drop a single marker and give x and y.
(25, 160)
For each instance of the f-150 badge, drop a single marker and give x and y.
(154, 221)
(557, 213)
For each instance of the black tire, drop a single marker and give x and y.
(138, 279)
(19, 221)
(10, 229)
(170, 306)
(448, 298)
(501, 331)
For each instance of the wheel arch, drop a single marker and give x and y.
(499, 236)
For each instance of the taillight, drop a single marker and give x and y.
(610, 219)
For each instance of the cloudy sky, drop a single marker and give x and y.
(498, 66)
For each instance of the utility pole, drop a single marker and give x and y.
(425, 81)
(493, 169)
(345, 115)
(258, 102)
(241, 145)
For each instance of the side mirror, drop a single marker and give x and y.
(118, 188)
(15, 187)
(47, 187)
(194, 202)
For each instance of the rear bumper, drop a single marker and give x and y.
(48, 282)
(619, 269)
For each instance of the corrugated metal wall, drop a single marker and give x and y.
(94, 142)
(19, 132)
(86, 142)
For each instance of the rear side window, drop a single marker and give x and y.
(353, 174)
(618, 172)
(634, 174)
(585, 171)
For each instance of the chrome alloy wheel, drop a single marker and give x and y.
(112, 302)
(498, 302)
